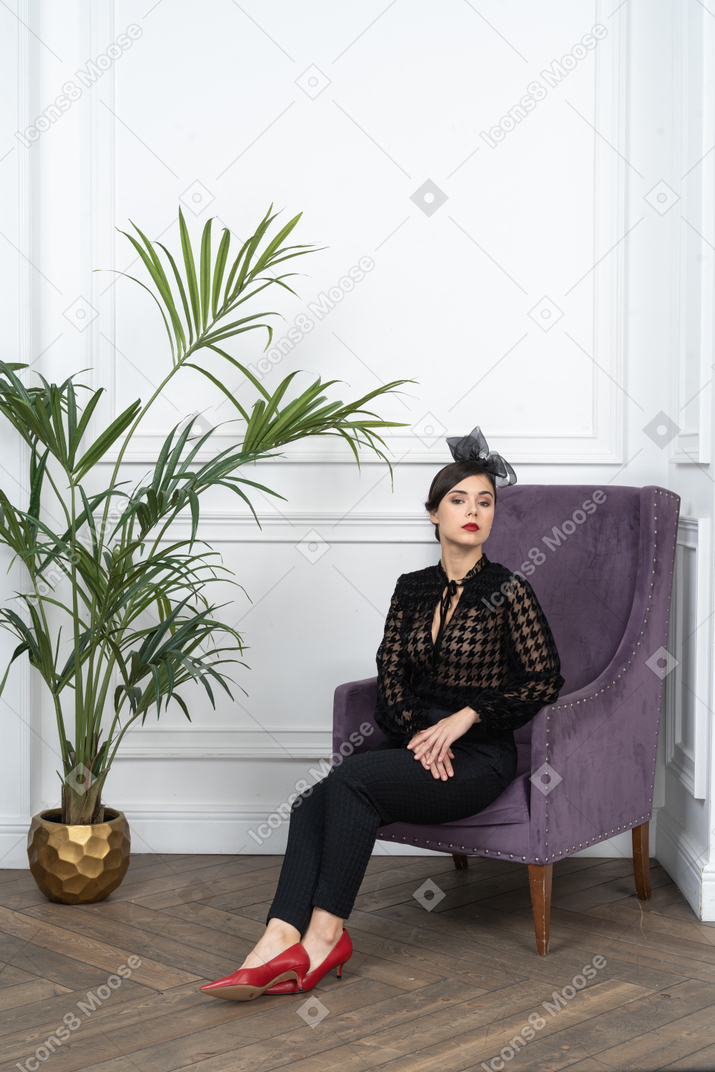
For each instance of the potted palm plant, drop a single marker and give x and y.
(135, 606)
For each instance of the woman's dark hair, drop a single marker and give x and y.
(448, 478)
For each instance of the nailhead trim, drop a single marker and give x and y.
(476, 851)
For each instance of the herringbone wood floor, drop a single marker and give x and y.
(444, 988)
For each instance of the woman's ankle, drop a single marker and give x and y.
(273, 938)
(279, 930)
(324, 928)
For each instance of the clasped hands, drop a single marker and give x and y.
(432, 744)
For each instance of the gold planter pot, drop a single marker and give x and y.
(78, 864)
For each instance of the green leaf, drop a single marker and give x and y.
(182, 292)
(219, 269)
(190, 267)
(76, 438)
(205, 274)
(105, 441)
(159, 276)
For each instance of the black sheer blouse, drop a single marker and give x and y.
(496, 653)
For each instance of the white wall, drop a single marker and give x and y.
(560, 215)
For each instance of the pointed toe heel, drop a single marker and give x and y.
(287, 968)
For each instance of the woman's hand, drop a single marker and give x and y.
(432, 745)
(441, 768)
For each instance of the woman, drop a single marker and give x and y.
(466, 658)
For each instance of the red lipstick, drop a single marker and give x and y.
(471, 527)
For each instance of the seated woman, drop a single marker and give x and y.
(466, 658)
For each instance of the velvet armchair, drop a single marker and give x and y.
(600, 559)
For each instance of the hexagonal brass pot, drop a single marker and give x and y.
(78, 864)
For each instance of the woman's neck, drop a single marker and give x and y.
(457, 566)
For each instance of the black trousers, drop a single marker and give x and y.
(333, 824)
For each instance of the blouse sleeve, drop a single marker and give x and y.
(399, 711)
(534, 668)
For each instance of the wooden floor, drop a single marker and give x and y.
(445, 987)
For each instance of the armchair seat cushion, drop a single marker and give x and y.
(511, 807)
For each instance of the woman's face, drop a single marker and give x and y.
(470, 502)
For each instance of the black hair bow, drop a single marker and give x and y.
(474, 448)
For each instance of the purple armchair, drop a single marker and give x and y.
(603, 568)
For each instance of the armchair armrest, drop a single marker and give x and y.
(353, 706)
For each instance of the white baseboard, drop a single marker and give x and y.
(231, 831)
(238, 831)
(687, 865)
(200, 830)
(13, 842)
(707, 894)
(622, 844)
(228, 830)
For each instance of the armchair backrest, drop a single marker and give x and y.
(579, 547)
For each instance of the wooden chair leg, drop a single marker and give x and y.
(460, 862)
(540, 884)
(641, 862)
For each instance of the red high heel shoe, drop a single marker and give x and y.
(339, 955)
(290, 966)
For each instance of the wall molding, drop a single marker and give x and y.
(610, 121)
(98, 171)
(286, 742)
(306, 528)
(22, 764)
(693, 311)
(605, 281)
(401, 449)
(296, 527)
(689, 764)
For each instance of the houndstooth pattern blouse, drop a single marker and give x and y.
(495, 654)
